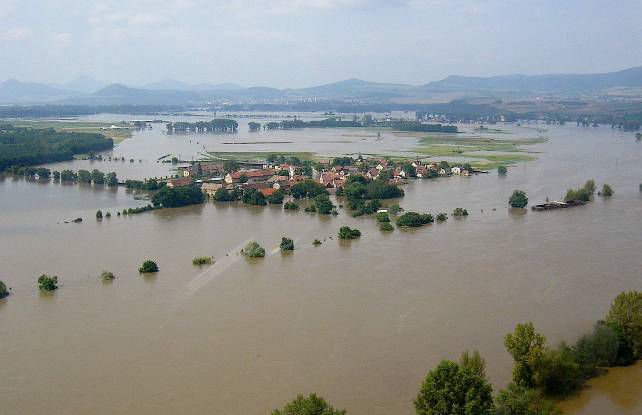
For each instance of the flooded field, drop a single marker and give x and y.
(360, 323)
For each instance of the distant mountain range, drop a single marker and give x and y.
(86, 90)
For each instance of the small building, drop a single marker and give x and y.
(267, 192)
(210, 189)
(455, 170)
(253, 176)
(180, 182)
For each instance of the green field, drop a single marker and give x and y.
(117, 135)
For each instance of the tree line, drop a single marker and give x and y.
(29, 146)
(219, 125)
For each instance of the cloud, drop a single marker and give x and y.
(16, 34)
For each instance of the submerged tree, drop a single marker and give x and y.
(311, 405)
(287, 244)
(527, 348)
(148, 266)
(451, 388)
(518, 199)
(3, 290)
(47, 283)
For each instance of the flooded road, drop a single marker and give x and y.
(360, 323)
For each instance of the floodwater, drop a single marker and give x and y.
(360, 323)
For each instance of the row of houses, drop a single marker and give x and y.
(269, 178)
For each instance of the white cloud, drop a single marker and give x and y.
(16, 34)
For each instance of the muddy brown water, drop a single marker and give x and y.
(360, 323)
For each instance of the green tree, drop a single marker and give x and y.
(501, 170)
(111, 179)
(107, 276)
(527, 348)
(3, 290)
(451, 389)
(414, 219)
(518, 199)
(148, 266)
(460, 212)
(307, 188)
(99, 214)
(202, 260)
(253, 250)
(383, 217)
(290, 206)
(345, 232)
(441, 217)
(287, 244)
(47, 283)
(386, 227)
(323, 204)
(597, 349)
(254, 197)
(68, 176)
(277, 197)
(312, 405)
(607, 191)
(170, 197)
(517, 400)
(97, 176)
(589, 186)
(223, 195)
(558, 373)
(626, 316)
(474, 362)
(84, 176)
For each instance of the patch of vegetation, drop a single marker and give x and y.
(290, 206)
(169, 197)
(148, 267)
(311, 405)
(345, 232)
(460, 212)
(310, 209)
(316, 242)
(441, 217)
(28, 146)
(502, 170)
(202, 260)
(253, 197)
(276, 198)
(253, 250)
(323, 205)
(583, 194)
(107, 276)
(3, 290)
(414, 219)
(607, 191)
(286, 244)
(307, 189)
(47, 283)
(383, 217)
(518, 199)
(99, 214)
(386, 226)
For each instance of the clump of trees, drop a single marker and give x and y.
(383, 217)
(47, 283)
(310, 405)
(607, 191)
(345, 232)
(224, 195)
(323, 205)
(253, 250)
(583, 193)
(276, 198)
(501, 170)
(456, 388)
(149, 184)
(441, 217)
(316, 242)
(460, 212)
(148, 267)
(3, 290)
(414, 219)
(253, 197)
(29, 146)
(107, 276)
(307, 188)
(99, 214)
(287, 244)
(202, 260)
(290, 206)
(386, 226)
(170, 197)
(518, 199)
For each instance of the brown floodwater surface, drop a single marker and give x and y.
(360, 323)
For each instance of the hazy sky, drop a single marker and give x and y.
(294, 43)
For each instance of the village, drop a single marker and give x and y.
(269, 177)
